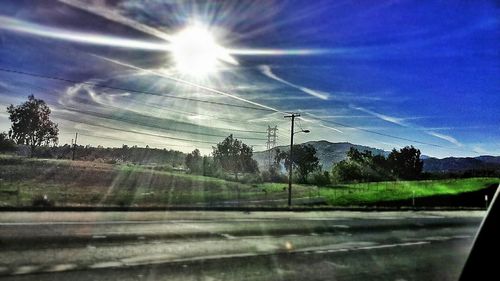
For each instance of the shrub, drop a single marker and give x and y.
(250, 178)
(321, 178)
(42, 201)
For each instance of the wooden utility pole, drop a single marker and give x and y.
(290, 157)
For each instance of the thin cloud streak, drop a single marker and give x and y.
(19, 26)
(400, 122)
(446, 137)
(266, 70)
(390, 119)
(112, 15)
(192, 84)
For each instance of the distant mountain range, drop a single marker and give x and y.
(331, 153)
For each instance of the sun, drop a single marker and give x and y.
(195, 52)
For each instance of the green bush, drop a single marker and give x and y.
(250, 178)
(320, 178)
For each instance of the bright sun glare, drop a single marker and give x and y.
(195, 51)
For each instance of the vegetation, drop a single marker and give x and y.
(31, 124)
(194, 162)
(232, 155)
(304, 159)
(133, 176)
(365, 167)
(77, 183)
(6, 144)
(367, 193)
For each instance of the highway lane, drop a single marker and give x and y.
(235, 246)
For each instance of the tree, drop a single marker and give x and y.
(31, 124)
(347, 171)
(361, 166)
(234, 156)
(194, 162)
(210, 169)
(6, 144)
(304, 159)
(406, 163)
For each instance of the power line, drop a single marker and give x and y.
(150, 125)
(186, 113)
(216, 103)
(208, 115)
(124, 140)
(384, 134)
(128, 90)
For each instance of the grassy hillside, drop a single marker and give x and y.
(78, 183)
(89, 183)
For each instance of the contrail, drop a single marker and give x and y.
(16, 25)
(276, 52)
(266, 70)
(111, 15)
(192, 84)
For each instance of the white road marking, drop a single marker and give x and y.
(98, 236)
(340, 226)
(163, 258)
(228, 236)
(149, 259)
(393, 245)
(462, 236)
(438, 238)
(25, 269)
(61, 267)
(106, 264)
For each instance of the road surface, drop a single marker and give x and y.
(235, 245)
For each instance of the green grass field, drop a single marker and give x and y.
(363, 193)
(77, 183)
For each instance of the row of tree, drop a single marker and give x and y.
(233, 156)
(32, 127)
(230, 156)
(364, 166)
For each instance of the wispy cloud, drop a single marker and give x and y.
(15, 25)
(104, 11)
(479, 150)
(401, 122)
(266, 70)
(446, 138)
(390, 119)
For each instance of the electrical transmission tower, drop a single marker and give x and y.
(271, 142)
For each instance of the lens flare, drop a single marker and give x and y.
(195, 51)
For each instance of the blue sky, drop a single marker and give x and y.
(379, 73)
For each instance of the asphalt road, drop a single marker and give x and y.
(235, 245)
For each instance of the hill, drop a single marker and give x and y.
(331, 153)
(328, 153)
(457, 164)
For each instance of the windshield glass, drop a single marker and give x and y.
(245, 140)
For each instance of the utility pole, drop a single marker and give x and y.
(271, 141)
(290, 157)
(74, 146)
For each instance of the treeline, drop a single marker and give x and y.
(403, 164)
(231, 159)
(125, 154)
